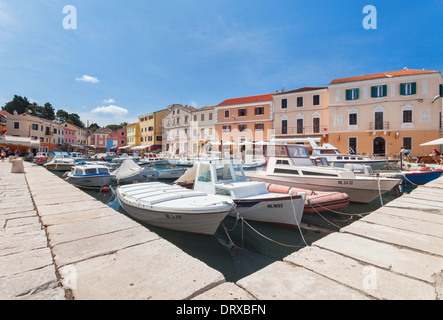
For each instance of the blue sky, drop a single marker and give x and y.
(130, 58)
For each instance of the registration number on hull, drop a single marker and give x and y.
(345, 182)
(274, 206)
(173, 216)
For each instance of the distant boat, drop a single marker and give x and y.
(151, 158)
(339, 160)
(130, 172)
(77, 156)
(170, 173)
(415, 176)
(89, 176)
(59, 161)
(41, 158)
(173, 207)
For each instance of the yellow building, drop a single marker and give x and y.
(378, 114)
(151, 131)
(133, 134)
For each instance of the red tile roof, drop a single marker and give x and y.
(302, 90)
(244, 100)
(392, 74)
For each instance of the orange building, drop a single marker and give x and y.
(242, 123)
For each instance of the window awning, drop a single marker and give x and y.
(19, 141)
(142, 147)
(126, 147)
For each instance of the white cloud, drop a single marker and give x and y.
(109, 101)
(111, 110)
(86, 78)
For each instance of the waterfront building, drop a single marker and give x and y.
(177, 130)
(379, 114)
(42, 130)
(132, 135)
(98, 140)
(118, 138)
(301, 113)
(203, 133)
(151, 131)
(3, 122)
(243, 124)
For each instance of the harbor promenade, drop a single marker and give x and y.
(57, 242)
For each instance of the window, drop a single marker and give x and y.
(299, 102)
(284, 127)
(441, 90)
(284, 103)
(242, 112)
(242, 127)
(352, 145)
(300, 128)
(408, 89)
(407, 143)
(227, 114)
(259, 111)
(259, 127)
(150, 128)
(34, 126)
(316, 100)
(352, 119)
(226, 128)
(379, 91)
(158, 138)
(353, 94)
(407, 116)
(203, 117)
(210, 116)
(316, 125)
(16, 125)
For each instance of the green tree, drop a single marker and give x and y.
(94, 127)
(48, 112)
(61, 116)
(74, 119)
(18, 104)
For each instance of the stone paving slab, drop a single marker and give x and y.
(154, 270)
(283, 281)
(402, 261)
(225, 291)
(55, 219)
(403, 238)
(373, 281)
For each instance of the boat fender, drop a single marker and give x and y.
(424, 168)
(105, 189)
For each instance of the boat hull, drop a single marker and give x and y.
(192, 217)
(59, 166)
(277, 210)
(170, 173)
(90, 181)
(361, 190)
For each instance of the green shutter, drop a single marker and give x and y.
(357, 96)
(374, 92)
(441, 90)
(414, 88)
(348, 94)
(402, 89)
(385, 90)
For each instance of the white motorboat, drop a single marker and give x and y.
(170, 173)
(130, 172)
(89, 176)
(290, 165)
(151, 158)
(122, 158)
(255, 164)
(173, 207)
(339, 160)
(254, 202)
(59, 161)
(109, 156)
(77, 156)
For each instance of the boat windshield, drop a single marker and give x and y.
(297, 152)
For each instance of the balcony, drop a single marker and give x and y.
(293, 131)
(379, 125)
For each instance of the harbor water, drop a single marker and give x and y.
(240, 248)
